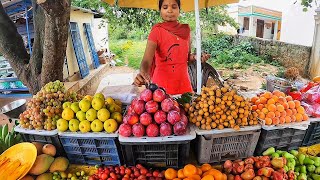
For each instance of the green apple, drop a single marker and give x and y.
(66, 104)
(84, 126)
(91, 114)
(84, 105)
(103, 114)
(97, 103)
(75, 107)
(110, 126)
(96, 125)
(67, 113)
(99, 95)
(117, 116)
(88, 97)
(62, 125)
(74, 125)
(81, 115)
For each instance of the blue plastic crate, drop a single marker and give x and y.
(90, 150)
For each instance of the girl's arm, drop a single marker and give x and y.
(145, 66)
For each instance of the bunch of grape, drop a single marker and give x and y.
(45, 108)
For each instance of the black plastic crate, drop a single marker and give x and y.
(91, 151)
(217, 148)
(282, 139)
(163, 154)
(54, 140)
(312, 135)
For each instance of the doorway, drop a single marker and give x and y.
(260, 28)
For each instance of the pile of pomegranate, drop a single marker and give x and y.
(154, 114)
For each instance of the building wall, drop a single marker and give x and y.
(79, 17)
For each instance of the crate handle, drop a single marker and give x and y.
(229, 156)
(207, 137)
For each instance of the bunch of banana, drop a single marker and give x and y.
(313, 150)
(11, 169)
(7, 138)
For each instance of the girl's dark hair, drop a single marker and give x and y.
(161, 2)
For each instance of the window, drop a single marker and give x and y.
(246, 23)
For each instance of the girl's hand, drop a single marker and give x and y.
(141, 79)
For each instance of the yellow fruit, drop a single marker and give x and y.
(39, 147)
(67, 114)
(27, 177)
(49, 149)
(59, 164)
(117, 116)
(110, 126)
(45, 176)
(41, 165)
(103, 114)
(118, 102)
(109, 100)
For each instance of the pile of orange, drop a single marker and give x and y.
(277, 108)
(191, 172)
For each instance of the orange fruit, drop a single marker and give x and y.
(271, 101)
(291, 104)
(275, 121)
(275, 98)
(268, 121)
(288, 119)
(180, 174)
(305, 117)
(254, 107)
(300, 110)
(285, 105)
(215, 173)
(187, 179)
(195, 177)
(208, 177)
(299, 117)
(294, 111)
(272, 107)
(297, 103)
(170, 173)
(225, 177)
(282, 100)
(254, 99)
(260, 106)
(277, 113)
(271, 115)
(283, 114)
(293, 118)
(289, 112)
(199, 171)
(280, 108)
(289, 98)
(282, 120)
(268, 95)
(263, 100)
(265, 110)
(189, 170)
(262, 115)
(176, 179)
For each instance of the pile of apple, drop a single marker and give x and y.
(94, 114)
(154, 113)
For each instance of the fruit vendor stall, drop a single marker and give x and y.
(220, 134)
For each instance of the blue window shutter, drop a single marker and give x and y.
(93, 52)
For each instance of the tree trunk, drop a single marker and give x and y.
(51, 21)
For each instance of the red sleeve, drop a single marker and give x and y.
(154, 35)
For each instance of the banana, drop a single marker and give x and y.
(4, 131)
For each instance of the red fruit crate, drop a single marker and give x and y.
(170, 151)
(216, 146)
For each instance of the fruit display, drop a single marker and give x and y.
(91, 114)
(154, 114)
(204, 172)
(219, 108)
(7, 138)
(127, 173)
(46, 165)
(44, 109)
(311, 99)
(313, 150)
(277, 108)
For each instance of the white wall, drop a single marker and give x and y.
(100, 35)
(267, 32)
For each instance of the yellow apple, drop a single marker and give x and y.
(84, 126)
(66, 104)
(118, 102)
(109, 100)
(62, 125)
(88, 97)
(117, 116)
(91, 114)
(75, 107)
(74, 125)
(67, 114)
(96, 125)
(84, 105)
(99, 95)
(103, 114)
(81, 115)
(97, 103)
(110, 126)
(114, 108)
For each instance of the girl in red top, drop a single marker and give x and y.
(167, 53)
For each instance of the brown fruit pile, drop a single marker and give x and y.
(220, 108)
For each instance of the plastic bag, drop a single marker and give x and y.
(312, 109)
(312, 96)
